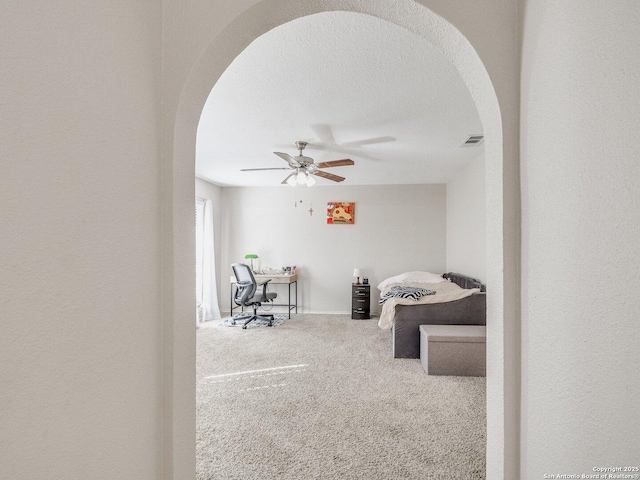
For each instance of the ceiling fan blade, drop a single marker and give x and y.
(369, 141)
(323, 132)
(336, 163)
(288, 177)
(288, 158)
(256, 169)
(328, 176)
(338, 149)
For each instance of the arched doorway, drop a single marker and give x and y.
(179, 344)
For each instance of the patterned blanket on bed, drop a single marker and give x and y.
(445, 292)
(401, 291)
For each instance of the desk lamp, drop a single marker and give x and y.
(251, 257)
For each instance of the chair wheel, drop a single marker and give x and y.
(244, 327)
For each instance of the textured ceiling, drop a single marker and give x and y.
(351, 85)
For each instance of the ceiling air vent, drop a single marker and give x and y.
(473, 140)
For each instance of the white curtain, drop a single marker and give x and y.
(206, 289)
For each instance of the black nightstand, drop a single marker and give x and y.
(360, 301)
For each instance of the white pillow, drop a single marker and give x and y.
(412, 277)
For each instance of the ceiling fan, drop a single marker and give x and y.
(304, 167)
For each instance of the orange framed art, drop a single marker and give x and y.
(341, 213)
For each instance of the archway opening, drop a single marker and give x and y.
(223, 49)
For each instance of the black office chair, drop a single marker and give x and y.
(247, 294)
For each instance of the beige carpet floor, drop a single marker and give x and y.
(320, 397)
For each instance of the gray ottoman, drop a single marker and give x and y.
(453, 350)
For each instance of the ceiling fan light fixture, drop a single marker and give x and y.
(291, 180)
(310, 181)
(301, 177)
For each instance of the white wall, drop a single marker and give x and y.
(80, 265)
(397, 228)
(466, 222)
(208, 190)
(580, 231)
(81, 187)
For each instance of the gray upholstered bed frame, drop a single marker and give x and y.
(471, 310)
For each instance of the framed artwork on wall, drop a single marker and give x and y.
(341, 213)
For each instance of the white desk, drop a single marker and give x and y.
(289, 280)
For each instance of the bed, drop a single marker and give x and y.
(458, 300)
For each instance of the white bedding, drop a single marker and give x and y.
(445, 292)
(411, 277)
